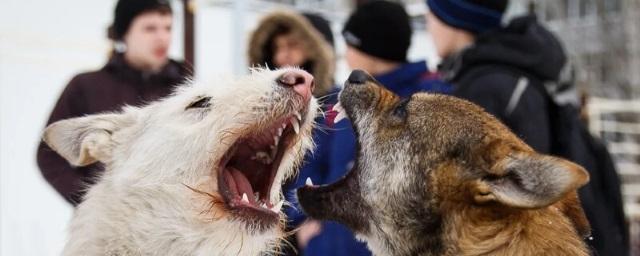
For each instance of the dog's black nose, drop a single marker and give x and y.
(359, 77)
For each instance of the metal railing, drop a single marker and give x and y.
(621, 118)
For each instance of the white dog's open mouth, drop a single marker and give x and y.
(248, 170)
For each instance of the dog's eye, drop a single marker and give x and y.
(401, 109)
(201, 103)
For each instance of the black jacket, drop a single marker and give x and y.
(107, 89)
(504, 72)
(487, 74)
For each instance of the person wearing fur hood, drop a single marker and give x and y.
(285, 38)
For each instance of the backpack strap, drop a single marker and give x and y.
(521, 86)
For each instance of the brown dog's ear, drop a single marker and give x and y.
(85, 140)
(530, 181)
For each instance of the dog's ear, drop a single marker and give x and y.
(530, 181)
(86, 140)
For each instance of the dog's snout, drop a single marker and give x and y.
(359, 77)
(298, 80)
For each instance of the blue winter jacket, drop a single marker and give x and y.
(335, 153)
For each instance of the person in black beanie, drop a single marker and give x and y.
(378, 37)
(504, 69)
(139, 70)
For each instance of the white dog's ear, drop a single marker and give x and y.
(86, 140)
(531, 181)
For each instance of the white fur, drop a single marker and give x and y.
(155, 155)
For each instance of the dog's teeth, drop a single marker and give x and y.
(263, 157)
(276, 140)
(257, 195)
(308, 182)
(298, 116)
(276, 208)
(274, 151)
(341, 115)
(296, 125)
(338, 107)
(280, 130)
(245, 198)
(284, 125)
(263, 205)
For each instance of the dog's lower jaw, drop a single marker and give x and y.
(324, 203)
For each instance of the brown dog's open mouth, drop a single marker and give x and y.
(341, 200)
(248, 170)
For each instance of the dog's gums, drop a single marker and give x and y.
(248, 169)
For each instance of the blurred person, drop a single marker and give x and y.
(378, 36)
(287, 38)
(505, 69)
(138, 71)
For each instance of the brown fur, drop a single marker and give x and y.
(436, 175)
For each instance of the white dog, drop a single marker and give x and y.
(197, 173)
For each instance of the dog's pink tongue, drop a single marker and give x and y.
(242, 184)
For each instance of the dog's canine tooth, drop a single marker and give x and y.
(337, 107)
(341, 115)
(245, 198)
(308, 182)
(280, 130)
(298, 116)
(296, 125)
(276, 140)
(276, 208)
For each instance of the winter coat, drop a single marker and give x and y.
(108, 89)
(525, 46)
(335, 154)
(504, 71)
(321, 57)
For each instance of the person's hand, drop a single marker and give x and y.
(308, 231)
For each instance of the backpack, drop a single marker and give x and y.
(601, 197)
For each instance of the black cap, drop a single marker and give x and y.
(127, 10)
(381, 29)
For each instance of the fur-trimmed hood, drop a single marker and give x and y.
(320, 52)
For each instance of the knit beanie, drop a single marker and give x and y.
(475, 16)
(381, 29)
(127, 10)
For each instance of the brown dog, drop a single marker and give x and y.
(436, 175)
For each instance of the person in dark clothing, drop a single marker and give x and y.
(504, 69)
(138, 71)
(378, 36)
